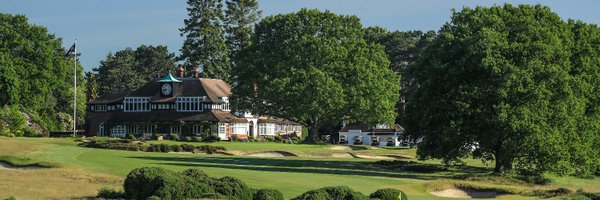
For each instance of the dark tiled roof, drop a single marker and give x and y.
(114, 97)
(212, 89)
(216, 88)
(363, 128)
(276, 121)
(227, 116)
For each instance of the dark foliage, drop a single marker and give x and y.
(332, 193)
(109, 193)
(268, 194)
(411, 166)
(389, 194)
(233, 188)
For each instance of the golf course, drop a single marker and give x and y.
(68, 171)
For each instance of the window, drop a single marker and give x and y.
(240, 128)
(99, 108)
(266, 129)
(117, 131)
(197, 129)
(136, 104)
(175, 129)
(189, 104)
(222, 128)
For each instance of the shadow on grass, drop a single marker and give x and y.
(291, 166)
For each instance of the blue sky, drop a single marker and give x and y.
(103, 26)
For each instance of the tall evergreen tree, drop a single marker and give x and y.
(92, 86)
(204, 45)
(240, 17)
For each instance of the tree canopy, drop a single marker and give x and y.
(35, 77)
(513, 84)
(240, 17)
(204, 44)
(315, 67)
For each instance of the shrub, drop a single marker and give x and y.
(234, 138)
(109, 193)
(154, 148)
(233, 188)
(156, 136)
(278, 138)
(327, 193)
(188, 147)
(187, 139)
(165, 148)
(144, 182)
(268, 139)
(11, 198)
(174, 137)
(31, 132)
(212, 138)
(250, 139)
(18, 133)
(268, 194)
(389, 194)
(197, 139)
(131, 137)
(176, 148)
(209, 149)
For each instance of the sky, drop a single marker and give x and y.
(103, 26)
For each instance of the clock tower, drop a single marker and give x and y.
(167, 85)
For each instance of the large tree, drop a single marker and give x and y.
(204, 45)
(497, 83)
(35, 77)
(315, 67)
(403, 48)
(240, 17)
(133, 68)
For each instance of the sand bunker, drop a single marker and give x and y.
(465, 193)
(345, 148)
(4, 166)
(271, 154)
(377, 157)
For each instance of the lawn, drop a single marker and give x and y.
(90, 169)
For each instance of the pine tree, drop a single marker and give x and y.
(205, 41)
(240, 17)
(92, 86)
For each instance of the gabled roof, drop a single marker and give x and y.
(216, 88)
(365, 128)
(211, 89)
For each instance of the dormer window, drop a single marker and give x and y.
(189, 104)
(136, 104)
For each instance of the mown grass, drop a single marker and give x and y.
(291, 175)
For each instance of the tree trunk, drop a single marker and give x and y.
(313, 134)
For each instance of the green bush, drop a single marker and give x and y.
(109, 193)
(209, 149)
(154, 148)
(165, 148)
(187, 139)
(198, 182)
(268, 194)
(174, 137)
(212, 138)
(278, 138)
(131, 137)
(250, 139)
(176, 148)
(332, 193)
(197, 139)
(144, 182)
(156, 136)
(233, 188)
(388, 194)
(18, 133)
(11, 198)
(268, 139)
(188, 147)
(31, 132)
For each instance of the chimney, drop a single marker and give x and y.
(196, 72)
(181, 71)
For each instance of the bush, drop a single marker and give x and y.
(209, 149)
(174, 137)
(233, 188)
(187, 139)
(11, 198)
(31, 132)
(278, 138)
(131, 137)
(268, 139)
(389, 194)
(156, 136)
(328, 193)
(533, 177)
(176, 148)
(188, 147)
(109, 193)
(234, 138)
(250, 139)
(144, 182)
(212, 138)
(197, 139)
(268, 194)
(165, 148)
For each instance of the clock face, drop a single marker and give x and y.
(166, 89)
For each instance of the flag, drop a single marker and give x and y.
(71, 51)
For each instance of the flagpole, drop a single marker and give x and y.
(75, 91)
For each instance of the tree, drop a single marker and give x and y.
(315, 67)
(92, 86)
(205, 41)
(240, 17)
(35, 77)
(497, 84)
(403, 49)
(132, 68)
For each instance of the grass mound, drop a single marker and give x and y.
(21, 162)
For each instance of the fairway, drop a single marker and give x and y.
(92, 169)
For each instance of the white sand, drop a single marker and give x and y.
(271, 154)
(464, 193)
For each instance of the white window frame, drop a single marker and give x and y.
(266, 129)
(136, 104)
(189, 104)
(118, 131)
(240, 128)
(222, 129)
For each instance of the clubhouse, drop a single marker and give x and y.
(186, 106)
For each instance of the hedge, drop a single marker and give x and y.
(268, 194)
(125, 144)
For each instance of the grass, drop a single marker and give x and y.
(90, 169)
